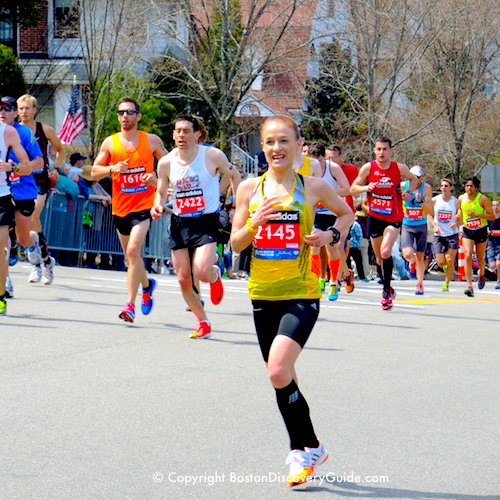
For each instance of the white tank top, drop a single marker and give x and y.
(445, 213)
(196, 192)
(4, 187)
(330, 179)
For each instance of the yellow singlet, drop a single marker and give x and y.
(280, 267)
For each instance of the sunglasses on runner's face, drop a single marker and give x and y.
(129, 112)
(8, 108)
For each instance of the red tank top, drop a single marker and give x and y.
(385, 201)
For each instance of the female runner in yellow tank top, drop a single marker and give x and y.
(275, 214)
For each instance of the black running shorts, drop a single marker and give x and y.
(477, 235)
(377, 226)
(25, 207)
(126, 223)
(193, 232)
(7, 212)
(293, 318)
(444, 243)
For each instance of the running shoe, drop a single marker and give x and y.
(446, 287)
(203, 331)
(365, 280)
(481, 282)
(333, 293)
(387, 298)
(497, 286)
(469, 292)
(36, 274)
(34, 253)
(48, 271)
(202, 303)
(147, 297)
(9, 288)
(322, 284)
(3, 307)
(216, 289)
(128, 314)
(13, 258)
(301, 467)
(419, 290)
(318, 455)
(349, 285)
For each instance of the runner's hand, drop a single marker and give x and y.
(149, 179)
(266, 211)
(157, 212)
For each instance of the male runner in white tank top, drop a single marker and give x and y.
(192, 170)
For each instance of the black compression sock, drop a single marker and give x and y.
(295, 413)
(388, 266)
(43, 246)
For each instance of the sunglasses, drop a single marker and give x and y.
(129, 112)
(8, 108)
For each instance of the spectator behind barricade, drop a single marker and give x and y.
(356, 234)
(76, 161)
(64, 216)
(93, 215)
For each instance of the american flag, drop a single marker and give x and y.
(73, 124)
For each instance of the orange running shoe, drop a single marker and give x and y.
(349, 285)
(128, 314)
(301, 467)
(216, 289)
(203, 330)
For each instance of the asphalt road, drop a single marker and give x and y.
(406, 401)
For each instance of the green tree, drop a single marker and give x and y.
(333, 110)
(157, 113)
(23, 12)
(12, 81)
(225, 53)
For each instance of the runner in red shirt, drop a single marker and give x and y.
(380, 180)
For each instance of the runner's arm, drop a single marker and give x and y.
(319, 191)
(344, 188)
(12, 139)
(56, 144)
(159, 206)
(359, 184)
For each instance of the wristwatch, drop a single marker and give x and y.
(336, 235)
(15, 168)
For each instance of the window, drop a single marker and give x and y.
(66, 19)
(6, 27)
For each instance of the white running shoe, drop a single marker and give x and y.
(9, 288)
(34, 253)
(48, 271)
(301, 467)
(318, 455)
(35, 275)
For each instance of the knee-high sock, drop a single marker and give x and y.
(295, 413)
(387, 265)
(43, 245)
(334, 269)
(316, 264)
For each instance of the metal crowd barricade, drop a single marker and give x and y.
(66, 228)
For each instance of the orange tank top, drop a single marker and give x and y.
(130, 194)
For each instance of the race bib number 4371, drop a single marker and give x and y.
(279, 238)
